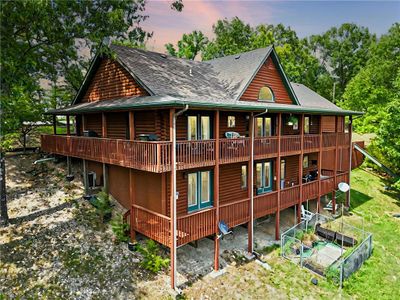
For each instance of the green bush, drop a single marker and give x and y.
(333, 274)
(103, 205)
(152, 261)
(120, 228)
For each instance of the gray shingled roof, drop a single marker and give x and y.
(218, 82)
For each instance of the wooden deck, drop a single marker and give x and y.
(202, 223)
(156, 156)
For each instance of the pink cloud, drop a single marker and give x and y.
(168, 26)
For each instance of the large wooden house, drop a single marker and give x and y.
(184, 145)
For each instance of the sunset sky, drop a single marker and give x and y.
(305, 17)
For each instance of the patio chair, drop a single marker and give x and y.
(305, 214)
(224, 229)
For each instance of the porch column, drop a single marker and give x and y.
(216, 191)
(172, 134)
(132, 125)
(250, 185)
(278, 178)
(350, 156)
(301, 156)
(68, 126)
(85, 178)
(132, 194)
(335, 165)
(103, 125)
(54, 124)
(319, 164)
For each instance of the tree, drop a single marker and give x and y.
(189, 46)
(375, 86)
(343, 51)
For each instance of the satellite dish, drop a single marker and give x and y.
(343, 187)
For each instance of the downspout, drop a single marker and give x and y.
(252, 181)
(173, 171)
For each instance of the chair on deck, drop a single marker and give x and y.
(306, 215)
(224, 229)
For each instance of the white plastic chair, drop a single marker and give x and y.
(305, 214)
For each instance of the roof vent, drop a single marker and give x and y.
(163, 55)
(237, 57)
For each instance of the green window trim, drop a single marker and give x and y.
(264, 177)
(197, 190)
(199, 127)
(266, 94)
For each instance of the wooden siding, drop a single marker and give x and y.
(230, 189)
(93, 122)
(292, 170)
(153, 122)
(117, 125)
(148, 191)
(111, 81)
(241, 126)
(288, 129)
(311, 166)
(328, 160)
(118, 181)
(268, 75)
(328, 123)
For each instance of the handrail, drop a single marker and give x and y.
(151, 212)
(196, 213)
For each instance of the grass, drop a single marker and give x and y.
(378, 278)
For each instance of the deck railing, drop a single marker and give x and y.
(329, 140)
(265, 147)
(154, 225)
(343, 139)
(327, 185)
(311, 142)
(342, 178)
(310, 190)
(191, 154)
(235, 213)
(234, 150)
(289, 196)
(290, 144)
(195, 226)
(265, 204)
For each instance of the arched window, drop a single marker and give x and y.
(266, 94)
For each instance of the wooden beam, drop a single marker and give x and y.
(278, 179)
(173, 198)
(133, 201)
(68, 126)
(250, 186)
(54, 124)
(132, 125)
(103, 125)
(319, 164)
(350, 157)
(301, 156)
(216, 190)
(335, 164)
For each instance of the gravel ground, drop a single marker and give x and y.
(55, 246)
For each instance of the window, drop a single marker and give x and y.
(266, 94)
(231, 121)
(243, 178)
(305, 161)
(199, 190)
(199, 128)
(264, 177)
(306, 125)
(283, 173)
(264, 126)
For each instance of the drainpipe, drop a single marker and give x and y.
(173, 213)
(251, 242)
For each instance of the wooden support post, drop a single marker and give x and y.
(85, 177)
(216, 190)
(68, 126)
(319, 164)
(103, 125)
(301, 156)
(350, 157)
(335, 165)
(278, 178)
(132, 198)
(131, 125)
(250, 186)
(172, 134)
(105, 178)
(54, 124)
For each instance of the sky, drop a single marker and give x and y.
(305, 17)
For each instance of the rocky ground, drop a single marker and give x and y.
(56, 247)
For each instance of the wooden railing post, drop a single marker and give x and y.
(350, 157)
(216, 190)
(278, 179)
(335, 165)
(301, 169)
(250, 185)
(319, 164)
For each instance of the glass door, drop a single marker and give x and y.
(264, 177)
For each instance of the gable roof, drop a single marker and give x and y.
(219, 82)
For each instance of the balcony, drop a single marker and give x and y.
(156, 156)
